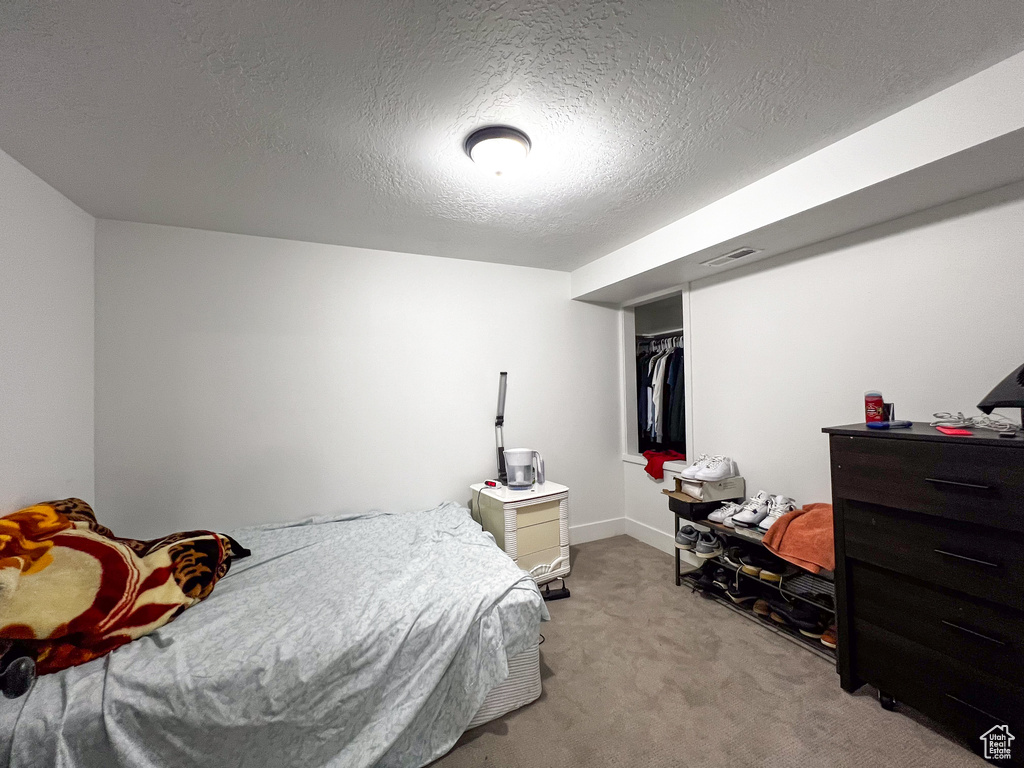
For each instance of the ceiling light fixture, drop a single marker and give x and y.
(498, 149)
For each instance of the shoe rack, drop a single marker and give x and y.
(801, 586)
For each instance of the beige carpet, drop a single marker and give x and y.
(638, 672)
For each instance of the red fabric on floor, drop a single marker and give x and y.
(656, 462)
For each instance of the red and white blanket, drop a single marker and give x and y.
(71, 591)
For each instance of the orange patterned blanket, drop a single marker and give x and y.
(71, 591)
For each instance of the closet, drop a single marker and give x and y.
(660, 375)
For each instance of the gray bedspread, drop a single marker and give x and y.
(356, 641)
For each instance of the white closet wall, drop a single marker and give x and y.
(927, 309)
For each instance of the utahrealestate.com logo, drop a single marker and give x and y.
(997, 742)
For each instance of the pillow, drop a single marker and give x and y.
(71, 591)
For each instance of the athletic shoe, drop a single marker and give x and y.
(753, 563)
(830, 637)
(762, 609)
(805, 618)
(703, 580)
(721, 578)
(687, 537)
(732, 556)
(726, 510)
(716, 468)
(690, 472)
(755, 509)
(777, 507)
(708, 546)
(773, 569)
(739, 594)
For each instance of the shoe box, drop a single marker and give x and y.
(689, 507)
(712, 490)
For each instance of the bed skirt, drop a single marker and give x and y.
(520, 688)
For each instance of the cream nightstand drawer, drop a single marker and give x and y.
(537, 537)
(538, 513)
(545, 556)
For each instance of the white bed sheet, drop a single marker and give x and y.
(354, 641)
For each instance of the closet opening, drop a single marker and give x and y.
(660, 375)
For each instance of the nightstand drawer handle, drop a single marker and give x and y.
(976, 709)
(968, 559)
(973, 633)
(958, 484)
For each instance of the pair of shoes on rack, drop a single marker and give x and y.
(708, 546)
(711, 468)
(806, 619)
(686, 538)
(777, 507)
(763, 566)
(724, 513)
(830, 637)
(718, 577)
(761, 511)
(703, 545)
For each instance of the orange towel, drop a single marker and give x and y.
(804, 537)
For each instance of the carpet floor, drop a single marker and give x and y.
(639, 672)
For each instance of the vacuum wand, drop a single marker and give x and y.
(499, 424)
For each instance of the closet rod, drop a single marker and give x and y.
(663, 335)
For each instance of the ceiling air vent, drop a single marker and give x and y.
(730, 257)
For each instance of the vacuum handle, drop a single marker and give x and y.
(539, 460)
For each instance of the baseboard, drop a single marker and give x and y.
(602, 529)
(652, 536)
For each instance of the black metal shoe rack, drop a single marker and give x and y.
(798, 587)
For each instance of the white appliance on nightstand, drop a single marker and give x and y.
(532, 526)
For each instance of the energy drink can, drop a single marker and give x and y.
(873, 406)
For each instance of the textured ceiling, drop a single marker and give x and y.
(342, 122)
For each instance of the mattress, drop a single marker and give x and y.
(521, 687)
(359, 640)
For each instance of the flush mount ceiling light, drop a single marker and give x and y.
(498, 149)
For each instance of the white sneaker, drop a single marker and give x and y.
(777, 507)
(690, 473)
(717, 468)
(755, 509)
(725, 511)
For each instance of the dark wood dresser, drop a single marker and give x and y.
(929, 533)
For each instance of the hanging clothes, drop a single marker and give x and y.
(660, 393)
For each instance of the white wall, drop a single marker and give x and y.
(46, 342)
(244, 379)
(927, 309)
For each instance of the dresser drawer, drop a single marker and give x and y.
(544, 512)
(537, 537)
(987, 637)
(968, 701)
(979, 561)
(976, 484)
(544, 557)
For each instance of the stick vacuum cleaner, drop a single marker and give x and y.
(499, 438)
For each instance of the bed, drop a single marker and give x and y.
(358, 640)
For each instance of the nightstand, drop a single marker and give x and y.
(532, 526)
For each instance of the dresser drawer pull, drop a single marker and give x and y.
(976, 709)
(968, 559)
(973, 633)
(958, 484)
